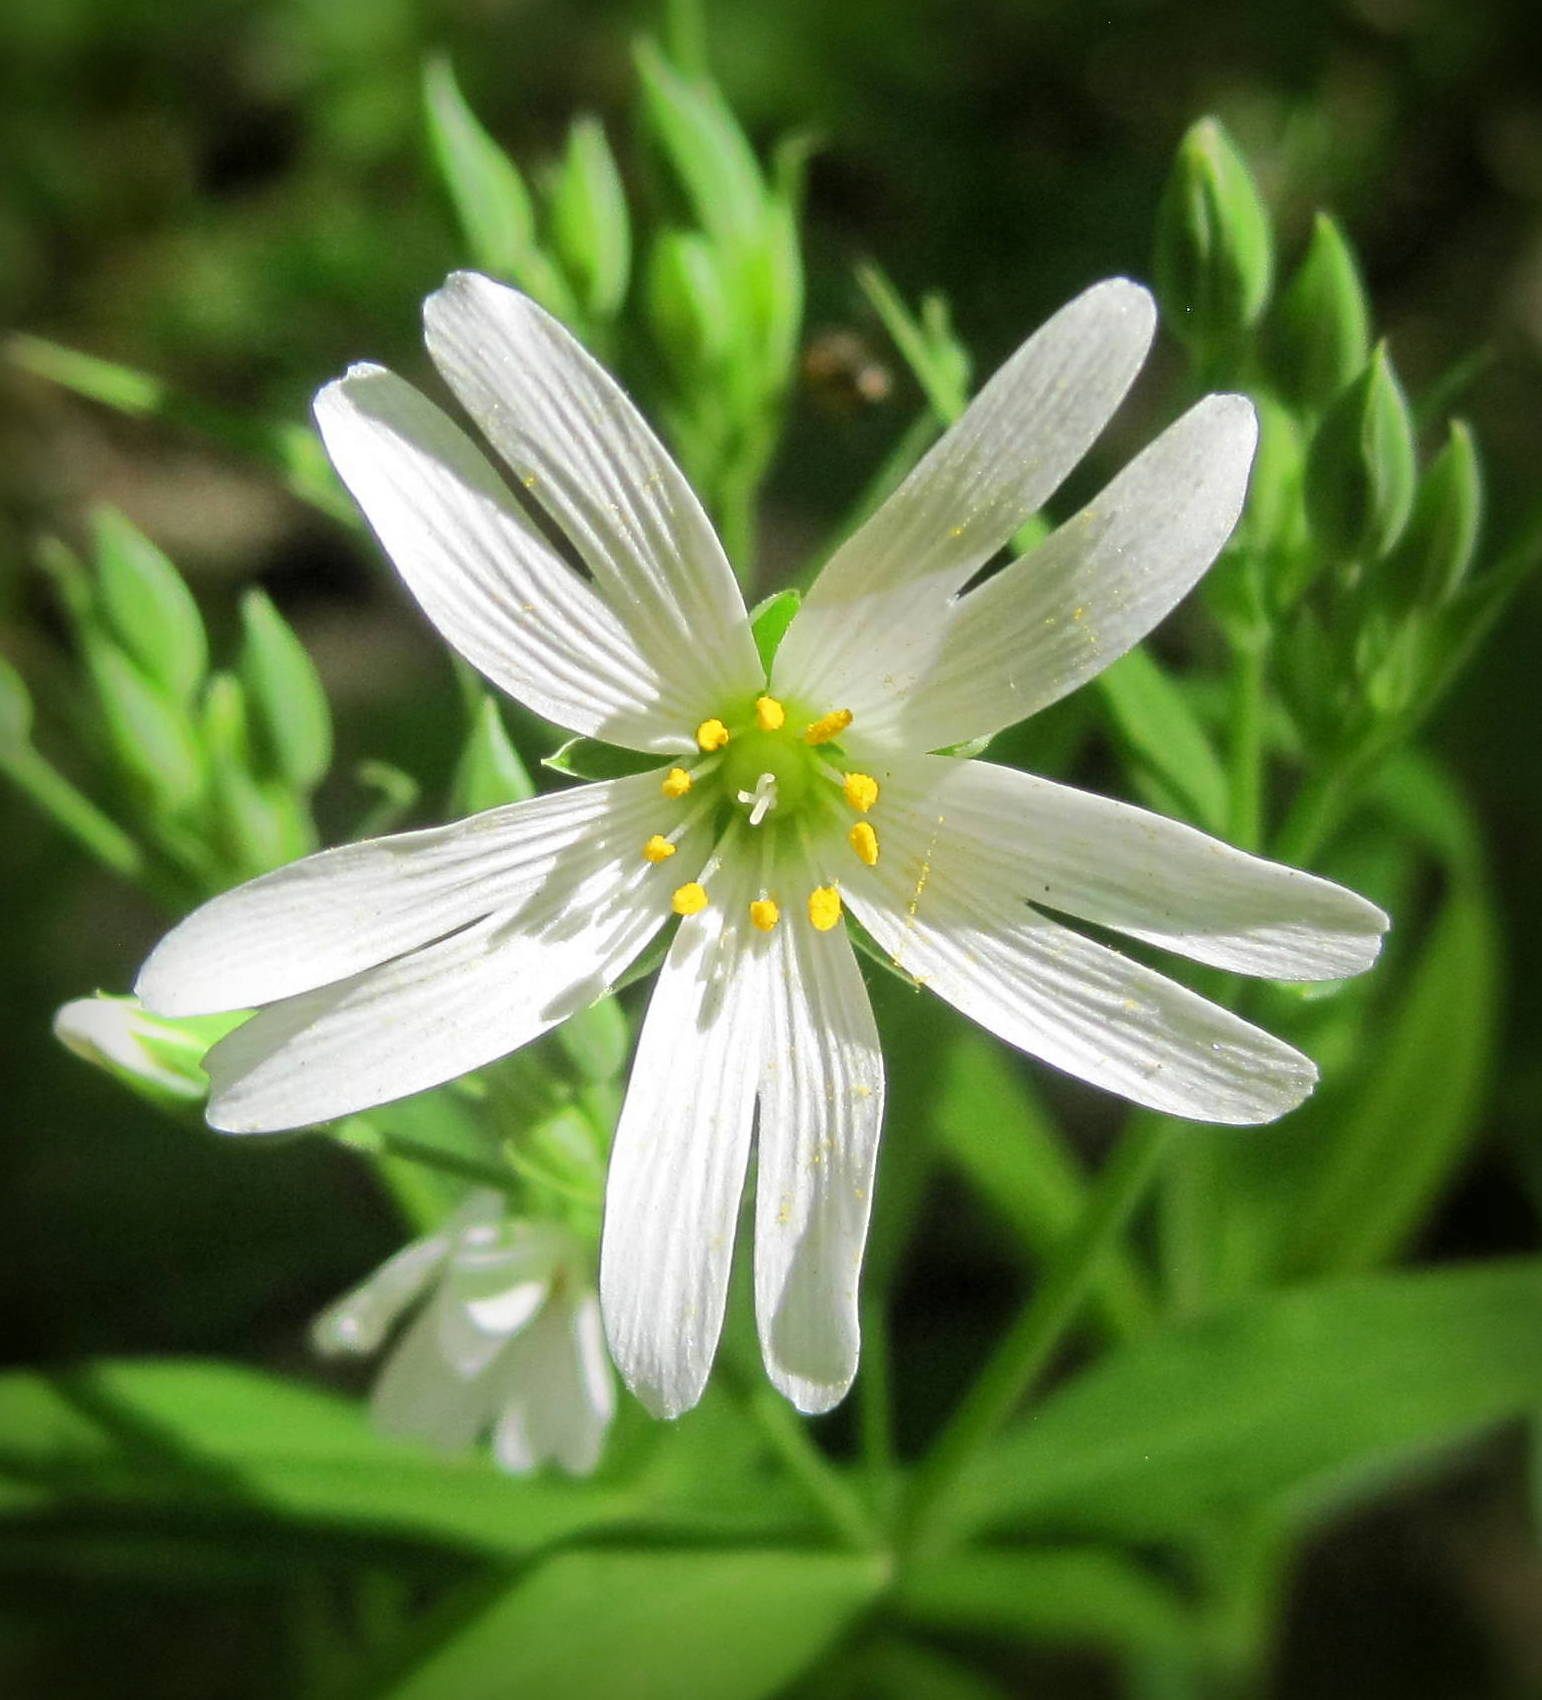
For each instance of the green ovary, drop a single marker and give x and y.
(782, 754)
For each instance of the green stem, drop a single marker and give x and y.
(788, 1437)
(873, 1402)
(76, 813)
(1041, 1326)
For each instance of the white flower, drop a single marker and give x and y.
(509, 1341)
(390, 966)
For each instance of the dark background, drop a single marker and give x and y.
(236, 196)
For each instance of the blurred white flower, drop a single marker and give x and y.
(780, 800)
(508, 1341)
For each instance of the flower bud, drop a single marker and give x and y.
(1322, 327)
(1360, 468)
(589, 225)
(148, 608)
(688, 303)
(291, 724)
(159, 1058)
(1214, 249)
(151, 738)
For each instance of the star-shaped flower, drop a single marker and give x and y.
(591, 587)
(509, 1340)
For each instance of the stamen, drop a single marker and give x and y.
(689, 899)
(764, 913)
(658, 849)
(676, 782)
(711, 735)
(769, 714)
(761, 800)
(864, 841)
(860, 790)
(824, 907)
(827, 726)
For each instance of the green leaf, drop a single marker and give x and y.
(597, 1040)
(588, 758)
(990, 1122)
(170, 1437)
(769, 621)
(655, 1625)
(290, 718)
(1156, 724)
(490, 772)
(1060, 1595)
(1387, 1153)
(927, 345)
(148, 607)
(15, 712)
(1304, 1398)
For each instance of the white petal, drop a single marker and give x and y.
(481, 569)
(1088, 593)
(338, 913)
(677, 1167)
(452, 1006)
(499, 1276)
(1120, 866)
(585, 454)
(558, 1399)
(870, 624)
(821, 1106)
(419, 1395)
(360, 1320)
(1072, 1002)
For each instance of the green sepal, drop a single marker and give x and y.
(490, 772)
(769, 621)
(151, 738)
(590, 227)
(588, 758)
(1214, 260)
(155, 1056)
(491, 202)
(147, 607)
(1322, 329)
(1436, 551)
(1360, 469)
(291, 722)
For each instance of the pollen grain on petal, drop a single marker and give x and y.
(658, 849)
(676, 782)
(824, 907)
(712, 735)
(765, 913)
(769, 714)
(689, 899)
(860, 790)
(827, 726)
(864, 841)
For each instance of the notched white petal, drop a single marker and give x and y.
(481, 569)
(581, 449)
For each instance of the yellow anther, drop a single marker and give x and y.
(676, 782)
(824, 907)
(764, 913)
(712, 735)
(769, 714)
(827, 726)
(864, 841)
(690, 899)
(860, 790)
(658, 849)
